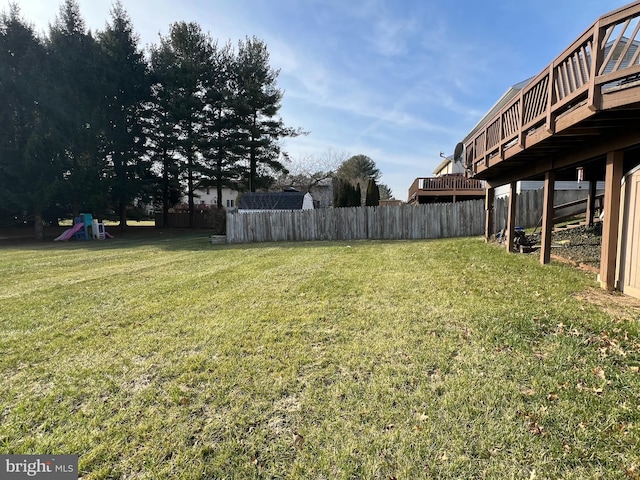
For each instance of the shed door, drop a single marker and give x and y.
(631, 280)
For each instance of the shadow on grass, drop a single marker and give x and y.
(177, 239)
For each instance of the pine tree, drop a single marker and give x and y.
(30, 167)
(373, 194)
(257, 106)
(357, 197)
(77, 97)
(126, 88)
(181, 64)
(221, 154)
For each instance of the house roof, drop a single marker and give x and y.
(290, 200)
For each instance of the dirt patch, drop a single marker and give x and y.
(619, 306)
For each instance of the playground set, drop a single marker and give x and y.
(84, 228)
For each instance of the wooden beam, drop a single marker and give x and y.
(511, 216)
(551, 118)
(521, 133)
(618, 74)
(627, 98)
(547, 216)
(489, 227)
(581, 132)
(608, 257)
(591, 202)
(594, 97)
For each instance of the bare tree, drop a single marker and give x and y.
(308, 171)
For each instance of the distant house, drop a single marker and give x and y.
(448, 167)
(448, 185)
(322, 193)
(290, 199)
(207, 198)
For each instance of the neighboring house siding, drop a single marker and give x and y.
(448, 167)
(209, 197)
(323, 194)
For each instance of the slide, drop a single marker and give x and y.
(67, 234)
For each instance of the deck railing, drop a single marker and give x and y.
(454, 183)
(604, 56)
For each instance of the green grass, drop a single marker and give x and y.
(176, 359)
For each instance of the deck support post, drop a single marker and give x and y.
(547, 216)
(613, 180)
(511, 216)
(489, 198)
(591, 202)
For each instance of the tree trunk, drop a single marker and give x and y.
(219, 192)
(192, 205)
(38, 224)
(123, 216)
(165, 193)
(219, 179)
(253, 167)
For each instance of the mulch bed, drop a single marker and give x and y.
(576, 245)
(579, 245)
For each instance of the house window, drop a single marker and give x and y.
(229, 203)
(208, 191)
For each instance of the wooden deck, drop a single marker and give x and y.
(586, 102)
(445, 189)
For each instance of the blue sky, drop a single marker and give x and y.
(397, 80)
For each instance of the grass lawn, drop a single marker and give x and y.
(170, 358)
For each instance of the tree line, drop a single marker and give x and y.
(92, 122)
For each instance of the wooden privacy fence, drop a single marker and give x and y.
(401, 222)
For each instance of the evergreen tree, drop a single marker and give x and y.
(358, 167)
(338, 193)
(222, 168)
(126, 88)
(346, 195)
(181, 64)
(385, 192)
(30, 169)
(160, 134)
(356, 201)
(75, 77)
(373, 194)
(257, 105)
(161, 151)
